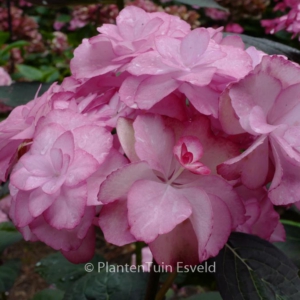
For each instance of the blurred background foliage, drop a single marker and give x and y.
(37, 37)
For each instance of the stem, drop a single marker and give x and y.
(138, 253)
(153, 282)
(167, 284)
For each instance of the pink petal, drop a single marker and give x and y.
(144, 91)
(82, 167)
(227, 116)
(113, 161)
(126, 137)
(85, 252)
(221, 230)
(119, 182)
(155, 208)
(150, 63)
(179, 245)
(193, 46)
(199, 76)
(66, 212)
(87, 62)
(65, 142)
(169, 49)
(114, 223)
(245, 166)
(287, 107)
(214, 185)
(39, 201)
(45, 138)
(255, 90)
(173, 106)
(285, 187)
(201, 217)
(204, 99)
(94, 140)
(20, 209)
(154, 143)
(57, 239)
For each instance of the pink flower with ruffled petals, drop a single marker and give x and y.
(162, 199)
(266, 105)
(53, 182)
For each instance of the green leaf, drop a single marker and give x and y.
(4, 36)
(206, 296)
(55, 269)
(8, 235)
(109, 286)
(30, 73)
(20, 93)
(8, 274)
(203, 3)
(271, 47)
(251, 268)
(17, 44)
(63, 18)
(291, 247)
(49, 294)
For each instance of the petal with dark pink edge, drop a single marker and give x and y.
(222, 224)
(285, 187)
(227, 116)
(251, 166)
(214, 185)
(113, 161)
(66, 212)
(202, 217)
(19, 210)
(113, 221)
(119, 182)
(87, 62)
(155, 208)
(94, 140)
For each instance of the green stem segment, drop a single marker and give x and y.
(138, 253)
(166, 286)
(153, 282)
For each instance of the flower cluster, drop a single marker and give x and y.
(163, 134)
(290, 21)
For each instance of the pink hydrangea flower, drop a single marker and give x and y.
(164, 199)
(234, 27)
(50, 184)
(265, 104)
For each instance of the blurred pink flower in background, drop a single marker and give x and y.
(234, 27)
